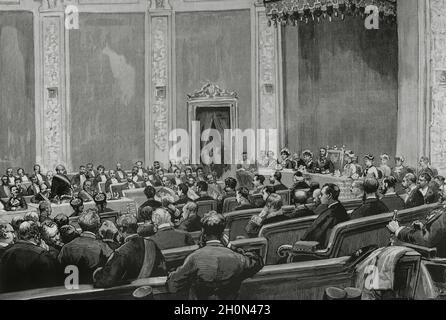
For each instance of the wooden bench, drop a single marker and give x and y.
(347, 237)
(294, 281)
(229, 204)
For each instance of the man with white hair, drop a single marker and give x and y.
(166, 236)
(190, 221)
(26, 265)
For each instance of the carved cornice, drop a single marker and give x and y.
(212, 91)
(160, 4)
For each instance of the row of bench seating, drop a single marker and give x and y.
(295, 281)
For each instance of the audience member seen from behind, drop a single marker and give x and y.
(390, 198)
(372, 205)
(215, 271)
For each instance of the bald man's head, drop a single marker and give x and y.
(300, 197)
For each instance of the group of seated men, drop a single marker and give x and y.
(35, 249)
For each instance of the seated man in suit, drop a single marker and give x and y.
(190, 221)
(166, 236)
(243, 202)
(302, 207)
(101, 177)
(34, 188)
(429, 194)
(10, 175)
(309, 166)
(182, 192)
(430, 233)
(272, 213)
(40, 178)
(217, 269)
(7, 238)
(177, 179)
(390, 198)
(112, 179)
(43, 195)
(120, 173)
(86, 252)
(141, 170)
(137, 258)
(150, 193)
(299, 182)
(229, 192)
(323, 164)
(372, 205)
(88, 192)
(425, 167)
(258, 182)
(100, 200)
(27, 265)
(130, 184)
(5, 191)
(78, 180)
(61, 186)
(334, 214)
(414, 196)
(18, 184)
(276, 182)
(16, 202)
(202, 190)
(91, 172)
(135, 177)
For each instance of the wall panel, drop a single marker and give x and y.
(341, 86)
(213, 47)
(107, 89)
(17, 128)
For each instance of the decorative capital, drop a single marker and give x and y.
(212, 91)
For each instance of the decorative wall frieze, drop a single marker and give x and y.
(438, 84)
(54, 124)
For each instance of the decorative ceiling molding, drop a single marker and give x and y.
(293, 12)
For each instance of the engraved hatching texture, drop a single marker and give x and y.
(438, 55)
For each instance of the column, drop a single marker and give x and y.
(53, 118)
(269, 97)
(159, 113)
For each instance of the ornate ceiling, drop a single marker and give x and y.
(292, 12)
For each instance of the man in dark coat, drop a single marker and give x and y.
(242, 200)
(372, 205)
(166, 236)
(150, 193)
(426, 187)
(190, 221)
(202, 188)
(26, 265)
(215, 271)
(334, 214)
(137, 258)
(430, 233)
(276, 182)
(415, 197)
(86, 252)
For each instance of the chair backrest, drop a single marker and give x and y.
(229, 204)
(285, 194)
(136, 195)
(111, 216)
(27, 198)
(116, 188)
(206, 206)
(352, 204)
(255, 197)
(281, 233)
(236, 222)
(350, 236)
